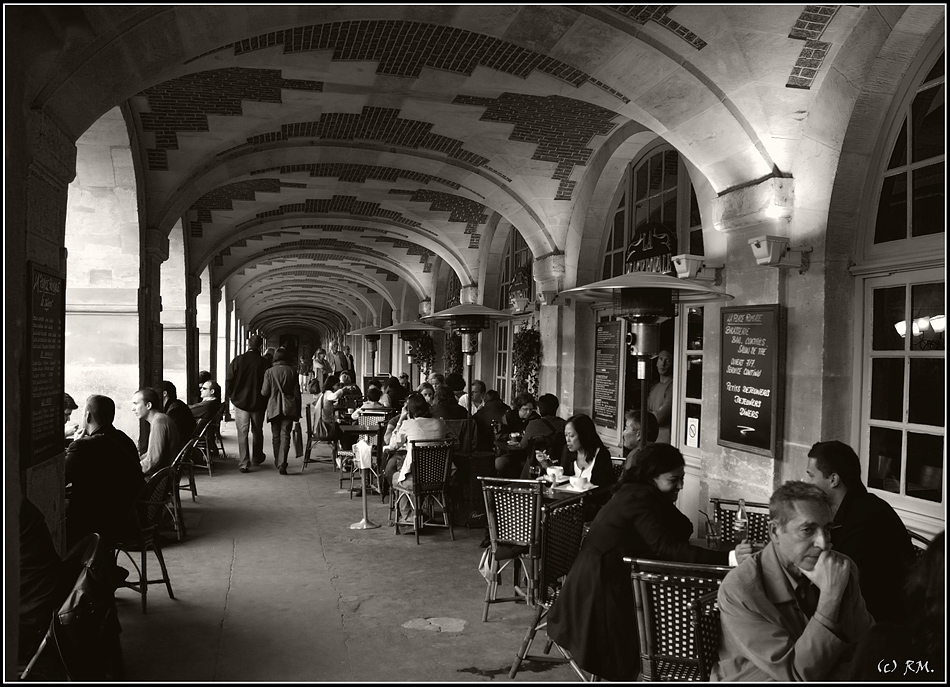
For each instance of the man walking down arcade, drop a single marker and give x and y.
(244, 381)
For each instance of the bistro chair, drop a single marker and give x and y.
(206, 442)
(920, 542)
(311, 442)
(147, 514)
(707, 628)
(562, 525)
(83, 636)
(725, 513)
(669, 641)
(513, 508)
(180, 467)
(372, 420)
(617, 465)
(431, 461)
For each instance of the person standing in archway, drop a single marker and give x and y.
(660, 400)
(244, 381)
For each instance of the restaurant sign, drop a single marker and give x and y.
(651, 249)
(749, 393)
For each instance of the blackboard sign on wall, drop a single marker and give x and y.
(749, 378)
(606, 373)
(47, 322)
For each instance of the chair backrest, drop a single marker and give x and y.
(462, 433)
(183, 454)
(617, 465)
(153, 498)
(513, 510)
(309, 421)
(669, 643)
(920, 542)
(707, 627)
(372, 418)
(430, 465)
(562, 530)
(725, 514)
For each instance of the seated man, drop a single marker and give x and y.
(70, 428)
(163, 435)
(544, 433)
(631, 435)
(793, 611)
(103, 468)
(178, 411)
(210, 403)
(487, 418)
(867, 530)
(373, 394)
(41, 583)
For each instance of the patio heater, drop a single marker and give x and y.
(468, 320)
(409, 332)
(645, 300)
(371, 335)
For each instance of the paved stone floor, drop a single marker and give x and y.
(272, 585)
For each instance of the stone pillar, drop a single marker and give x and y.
(192, 289)
(154, 253)
(215, 296)
(560, 362)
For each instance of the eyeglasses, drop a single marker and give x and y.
(207, 388)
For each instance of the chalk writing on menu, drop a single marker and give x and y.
(606, 374)
(47, 323)
(749, 376)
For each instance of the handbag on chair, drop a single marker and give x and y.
(322, 430)
(297, 437)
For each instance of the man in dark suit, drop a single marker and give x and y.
(103, 468)
(867, 529)
(178, 411)
(210, 402)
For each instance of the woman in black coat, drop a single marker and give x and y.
(595, 617)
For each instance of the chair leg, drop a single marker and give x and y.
(526, 644)
(161, 561)
(447, 515)
(491, 591)
(417, 519)
(143, 579)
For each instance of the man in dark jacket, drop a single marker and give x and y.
(867, 529)
(103, 468)
(244, 381)
(210, 402)
(178, 411)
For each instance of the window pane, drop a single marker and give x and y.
(928, 301)
(899, 156)
(693, 425)
(641, 183)
(618, 230)
(928, 137)
(887, 389)
(694, 376)
(925, 466)
(937, 69)
(669, 211)
(607, 273)
(656, 209)
(929, 200)
(656, 174)
(926, 392)
(888, 311)
(884, 460)
(670, 169)
(642, 214)
(694, 329)
(695, 219)
(696, 246)
(892, 212)
(618, 264)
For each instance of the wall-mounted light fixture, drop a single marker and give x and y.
(926, 332)
(696, 267)
(773, 251)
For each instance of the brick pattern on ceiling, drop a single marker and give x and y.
(184, 103)
(340, 205)
(809, 27)
(561, 127)
(223, 197)
(659, 14)
(403, 48)
(360, 174)
(460, 209)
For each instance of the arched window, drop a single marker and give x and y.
(515, 271)
(453, 290)
(903, 418)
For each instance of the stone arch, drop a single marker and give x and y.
(103, 244)
(322, 273)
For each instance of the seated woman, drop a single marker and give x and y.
(513, 425)
(373, 394)
(394, 394)
(446, 406)
(584, 453)
(419, 425)
(324, 407)
(594, 617)
(350, 394)
(427, 391)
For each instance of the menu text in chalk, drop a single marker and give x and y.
(606, 374)
(43, 433)
(749, 377)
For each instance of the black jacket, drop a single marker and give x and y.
(244, 381)
(184, 421)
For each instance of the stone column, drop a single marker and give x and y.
(154, 253)
(213, 332)
(192, 289)
(564, 372)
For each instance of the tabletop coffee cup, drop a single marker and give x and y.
(579, 482)
(556, 470)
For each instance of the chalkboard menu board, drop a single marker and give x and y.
(749, 378)
(607, 353)
(47, 322)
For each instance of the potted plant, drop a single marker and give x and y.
(423, 352)
(452, 354)
(526, 360)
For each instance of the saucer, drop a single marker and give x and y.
(570, 487)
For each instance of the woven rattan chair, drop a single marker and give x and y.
(147, 515)
(617, 465)
(311, 441)
(182, 466)
(431, 461)
(920, 542)
(669, 643)
(562, 526)
(206, 441)
(375, 420)
(725, 514)
(513, 508)
(707, 628)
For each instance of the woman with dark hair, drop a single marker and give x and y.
(913, 650)
(585, 454)
(282, 391)
(323, 408)
(512, 456)
(394, 394)
(594, 617)
(446, 406)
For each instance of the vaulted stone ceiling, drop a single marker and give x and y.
(326, 159)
